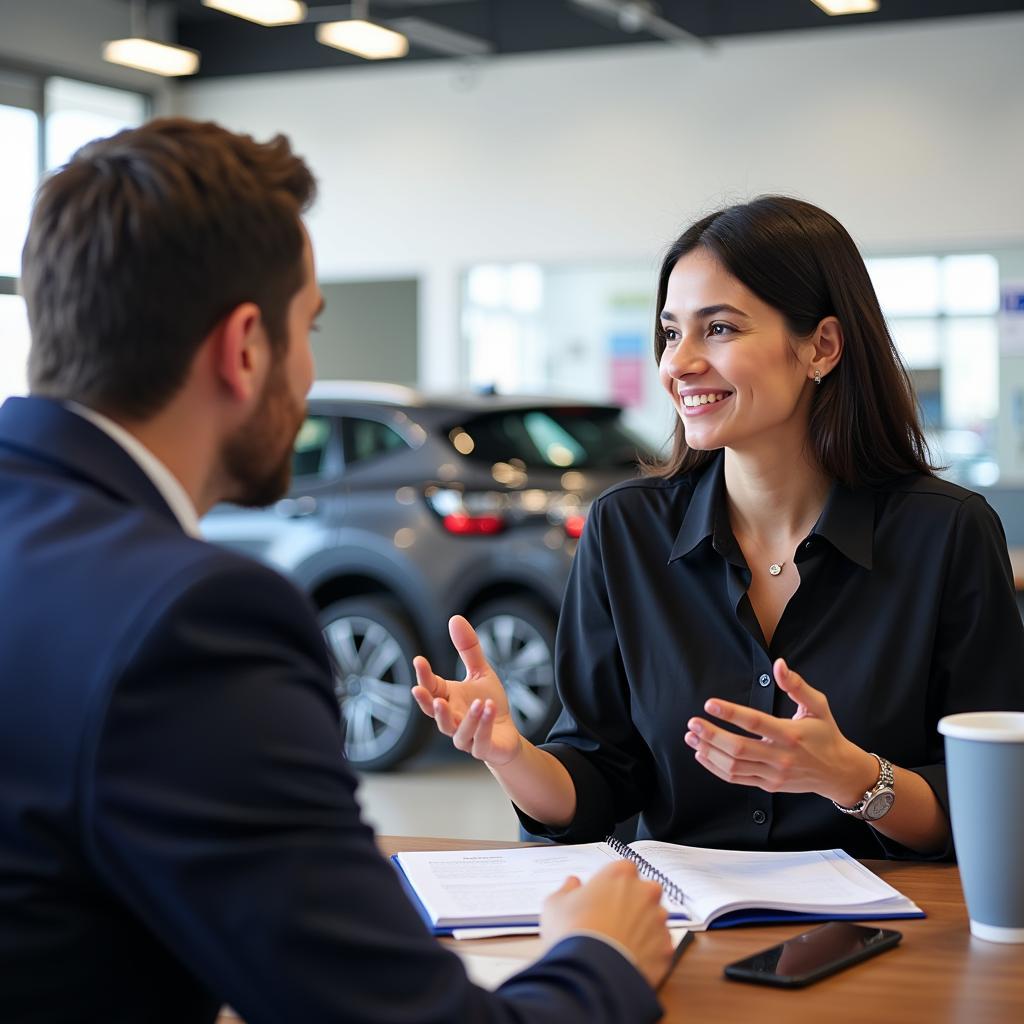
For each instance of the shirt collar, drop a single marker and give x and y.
(847, 521)
(159, 475)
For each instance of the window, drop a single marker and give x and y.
(555, 438)
(942, 313)
(311, 444)
(75, 113)
(369, 439)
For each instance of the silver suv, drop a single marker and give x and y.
(407, 508)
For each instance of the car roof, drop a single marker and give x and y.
(375, 392)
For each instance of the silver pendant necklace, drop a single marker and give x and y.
(775, 568)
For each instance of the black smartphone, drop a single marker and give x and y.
(813, 955)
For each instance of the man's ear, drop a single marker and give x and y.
(241, 352)
(828, 347)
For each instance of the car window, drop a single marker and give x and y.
(311, 447)
(368, 439)
(560, 438)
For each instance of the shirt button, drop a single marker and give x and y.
(808, 544)
(760, 817)
(764, 679)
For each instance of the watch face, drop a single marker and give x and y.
(879, 805)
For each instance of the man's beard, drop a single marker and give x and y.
(258, 459)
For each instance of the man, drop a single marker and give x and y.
(178, 827)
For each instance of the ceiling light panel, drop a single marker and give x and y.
(149, 55)
(263, 12)
(363, 38)
(847, 6)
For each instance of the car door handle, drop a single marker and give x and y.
(296, 508)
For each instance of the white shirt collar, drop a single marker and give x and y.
(160, 476)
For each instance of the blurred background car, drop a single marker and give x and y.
(407, 508)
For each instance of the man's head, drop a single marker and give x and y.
(146, 245)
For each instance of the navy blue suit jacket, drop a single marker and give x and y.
(178, 826)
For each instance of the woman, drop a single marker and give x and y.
(797, 523)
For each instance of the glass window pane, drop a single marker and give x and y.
(13, 346)
(906, 286)
(970, 284)
(78, 112)
(917, 342)
(970, 373)
(19, 172)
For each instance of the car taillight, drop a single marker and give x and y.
(460, 522)
(574, 526)
(469, 513)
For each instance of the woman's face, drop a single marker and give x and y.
(735, 374)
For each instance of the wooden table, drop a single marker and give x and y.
(939, 973)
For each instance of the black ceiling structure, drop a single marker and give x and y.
(232, 46)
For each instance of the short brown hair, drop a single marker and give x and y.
(864, 426)
(142, 242)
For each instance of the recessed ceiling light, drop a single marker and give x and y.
(263, 12)
(149, 55)
(363, 38)
(847, 6)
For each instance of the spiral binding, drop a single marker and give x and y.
(647, 870)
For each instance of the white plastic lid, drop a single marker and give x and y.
(989, 726)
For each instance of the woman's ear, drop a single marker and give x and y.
(827, 350)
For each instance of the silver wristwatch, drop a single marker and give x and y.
(878, 800)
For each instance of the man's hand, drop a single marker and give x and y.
(804, 754)
(616, 903)
(475, 711)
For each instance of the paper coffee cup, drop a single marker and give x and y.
(985, 771)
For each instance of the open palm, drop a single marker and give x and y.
(474, 712)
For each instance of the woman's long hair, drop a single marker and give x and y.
(864, 426)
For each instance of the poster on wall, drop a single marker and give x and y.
(1011, 318)
(628, 349)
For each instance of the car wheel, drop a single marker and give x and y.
(371, 646)
(518, 637)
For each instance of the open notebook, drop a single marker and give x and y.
(459, 889)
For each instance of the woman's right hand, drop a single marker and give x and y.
(474, 712)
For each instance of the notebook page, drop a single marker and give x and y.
(713, 879)
(491, 885)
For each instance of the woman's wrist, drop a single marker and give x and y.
(859, 774)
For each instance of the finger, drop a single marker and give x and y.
(799, 690)
(756, 722)
(445, 718)
(730, 743)
(466, 643)
(425, 677)
(569, 885)
(725, 769)
(424, 700)
(464, 735)
(482, 738)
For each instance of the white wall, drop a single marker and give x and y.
(909, 134)
(67, 37)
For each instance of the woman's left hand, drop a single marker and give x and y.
(803, 754)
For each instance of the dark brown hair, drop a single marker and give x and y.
(864, 426)
(142, 243)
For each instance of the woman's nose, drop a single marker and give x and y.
(683, 358)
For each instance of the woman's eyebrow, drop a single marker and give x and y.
(706, 311)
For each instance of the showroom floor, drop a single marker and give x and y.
(441, 792)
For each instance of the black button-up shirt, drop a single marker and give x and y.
(905, 612)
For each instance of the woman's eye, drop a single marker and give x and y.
(717, 330)
(671, 335)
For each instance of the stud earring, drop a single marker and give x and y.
(817, 376)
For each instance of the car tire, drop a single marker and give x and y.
(518, 637)
(371, 646)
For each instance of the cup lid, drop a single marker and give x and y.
(990, 726)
